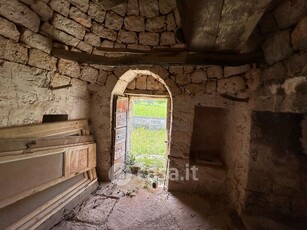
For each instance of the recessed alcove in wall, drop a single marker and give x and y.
(277, 165)
(208, 135)
(281, 131)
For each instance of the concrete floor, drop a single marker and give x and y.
(137, 206)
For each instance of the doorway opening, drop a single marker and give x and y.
(147, 137)
(141, 127)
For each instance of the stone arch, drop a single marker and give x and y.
(122, 84)
(130, 75)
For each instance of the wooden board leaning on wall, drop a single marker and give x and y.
(34, 158)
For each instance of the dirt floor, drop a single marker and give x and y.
(138, 206)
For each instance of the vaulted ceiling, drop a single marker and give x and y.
(220, 25)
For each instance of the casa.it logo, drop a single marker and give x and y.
(119, 174)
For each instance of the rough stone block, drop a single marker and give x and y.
(89, 74)
(28, 2)
(188, 69)
(78, 88)
(59, 80)
(102, 77)
(120, 9)
(215, 72)
(69, 26)
(160, 71)
(43, 10)
(253, 79)
(85, 47)
(211, 87)
(156, 24)
(288, 13)
(182, 79)
(60, 6)
(268, 25)
(103, 32)
(8, 29)
(108, 44)
(96, 12)
(275, 73)
(167, 38)
(231, 85)
(37, 41)
(20, 14)
(113, 21)
(170, 22)
(92, 39)
(59, 35)
(278, 47)
(153, 84)
(81, 4)
(119, 71)
(236, 70)
(12, 51)
(80, 17)
(127, 37)
(176, 69)
(198, 77)
(299, 35)
(131, 84)
(175, 90)
(177, 18)
(42, 60)
(147, 38)
(111, 82)
(69, 68)
(141, 83)
(94, 88)
(193, 89)
(297, 64)
(134, 23)
(167, 6)
(149, 8)
(133, 7)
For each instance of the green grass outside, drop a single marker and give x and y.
(148, 147)
(150, 108)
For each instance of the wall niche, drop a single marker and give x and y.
(209, 128)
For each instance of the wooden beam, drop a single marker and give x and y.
(138, 51)
(161, 59)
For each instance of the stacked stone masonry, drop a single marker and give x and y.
(30, 29)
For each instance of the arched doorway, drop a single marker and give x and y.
(138, 147)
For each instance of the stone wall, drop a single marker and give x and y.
(271, 183)
(29, 29)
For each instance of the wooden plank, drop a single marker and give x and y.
(77, 160)
(21, 223)
(238, 21)
(156, 59)
(92, 161)
(45, 130)
(38, 143)
(200, 21)
(20, 176)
